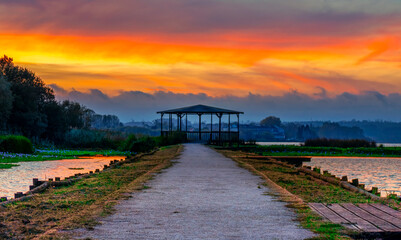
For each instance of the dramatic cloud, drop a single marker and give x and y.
(318, 18)
(125, 48)
(292, 106)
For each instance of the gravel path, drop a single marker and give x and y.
(203, 196)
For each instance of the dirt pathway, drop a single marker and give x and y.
(203, 196)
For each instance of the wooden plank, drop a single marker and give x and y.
(351, 217)
(387, 210)
(378, 222)
(328, 213)
(380, 214)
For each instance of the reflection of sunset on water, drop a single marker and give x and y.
(18, 179)
(378, 172)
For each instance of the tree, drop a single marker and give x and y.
(30, 95)
(270, 121)
(6, 101)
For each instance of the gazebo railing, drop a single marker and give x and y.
(208, 136)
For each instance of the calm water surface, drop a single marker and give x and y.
(299, 144)
(384, 173)
(18, 179)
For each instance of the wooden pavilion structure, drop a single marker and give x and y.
(217, 136)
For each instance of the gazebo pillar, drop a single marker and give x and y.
(186, 126)
(211, 127)
(178, 122)
(200, 126)
(170, 123)
(219, 115)
(229, 129)
(238, 129)
(161, 124)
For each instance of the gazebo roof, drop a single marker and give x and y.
(200, 109)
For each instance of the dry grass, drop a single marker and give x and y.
(80, 204)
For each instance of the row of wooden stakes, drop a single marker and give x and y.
(36, 182)
(354, 182)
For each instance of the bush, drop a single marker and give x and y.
(147, 143)
(100, 139)
(173, 138)
(144, 144)
(15, 144)
(342, 143)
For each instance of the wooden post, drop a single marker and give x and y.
(35, 181)
(355, 182)
(344, 178)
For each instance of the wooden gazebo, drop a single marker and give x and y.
(230, 135)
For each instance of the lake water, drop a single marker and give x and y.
(279, 143)
(18, 179)
(299, 144)
(383, 173)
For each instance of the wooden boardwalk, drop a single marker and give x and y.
(367, 218)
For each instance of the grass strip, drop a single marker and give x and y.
(80, 204)
(58, 154)
(7, 165)
(285, 150)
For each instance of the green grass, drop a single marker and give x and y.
(281, 150)
(326, 230)
(55, 154)
(7, 165)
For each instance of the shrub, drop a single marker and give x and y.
(173, 138)
(144, 144)
(147, 143)
(127, 144)
(84, 138)
(15, 144)
(342, 143)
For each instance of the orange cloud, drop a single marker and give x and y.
(377, 48)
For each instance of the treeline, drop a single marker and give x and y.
(272, 129)
(28, 107)
(330, 130)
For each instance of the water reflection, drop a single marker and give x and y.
(383, 173)
(18, 179)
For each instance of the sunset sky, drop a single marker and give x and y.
(300, 60)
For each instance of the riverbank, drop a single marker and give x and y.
(305, 187)
(80, 204)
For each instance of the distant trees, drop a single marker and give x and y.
(105, 121)
(270, 121)
(336, 131)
